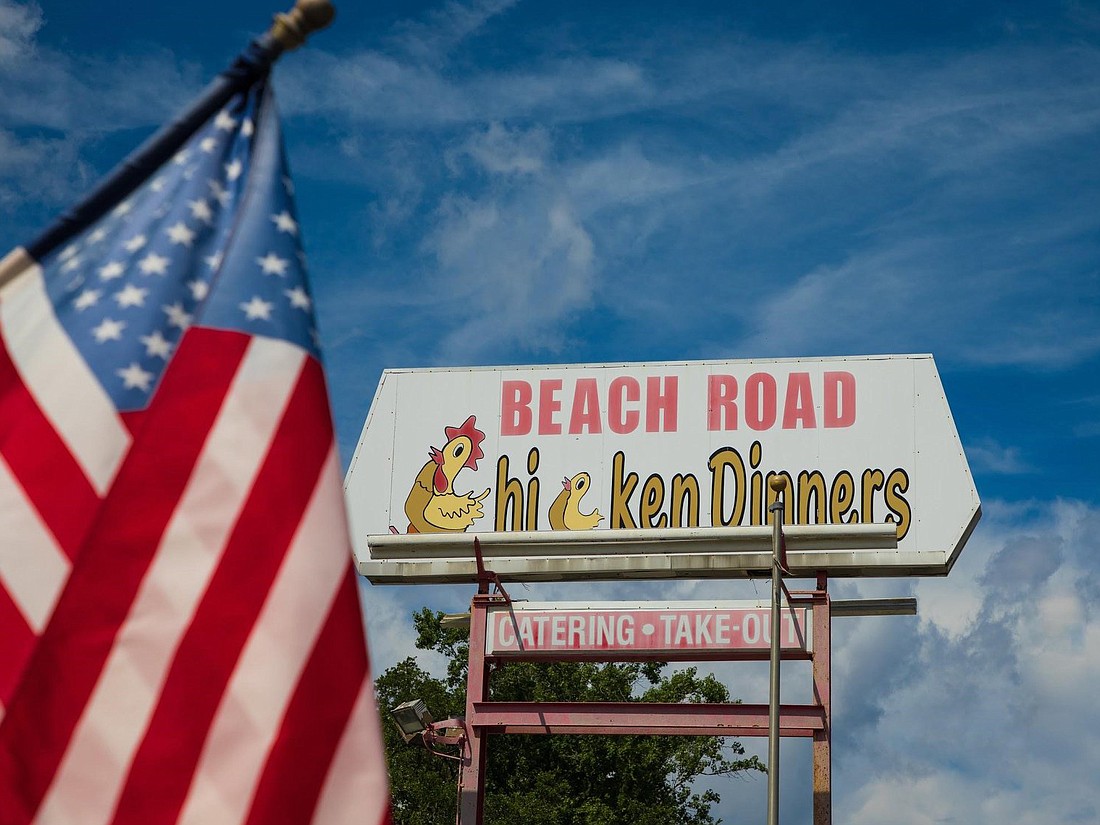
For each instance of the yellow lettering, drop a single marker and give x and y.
(721, 460)
(896, 484)
(841, 498)
(872, 480)
(653, 496)
(811, 485)
(622, 488)
(685, 490)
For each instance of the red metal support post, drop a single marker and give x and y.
(471, 783)
(822, 666)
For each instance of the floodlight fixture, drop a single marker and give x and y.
(412, 718)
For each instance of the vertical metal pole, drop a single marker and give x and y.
(778, 484)
(822, 746)
(471, 780)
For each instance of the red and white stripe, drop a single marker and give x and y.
(206, 661)
(61, 443)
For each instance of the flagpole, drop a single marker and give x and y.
(292, 29)
(289, 31)
(778, 484)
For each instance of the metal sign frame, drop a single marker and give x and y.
(485, 717)
(840, 550)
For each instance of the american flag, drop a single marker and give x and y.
(180, 632)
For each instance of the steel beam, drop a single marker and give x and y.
(673, 719)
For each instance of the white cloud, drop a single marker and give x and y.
(511, 271)
(390, 634)
(18, 26)
(995, 719)
(501, 150)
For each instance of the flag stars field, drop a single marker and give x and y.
(109, 330)
(257, 309)
(272, 264)
(219, 193)
(174, 227)
(111, 270)
(87, 298)
(156, 345)
(298, 298)
(284, 222)
(135, 243)
(153, 264)
(134, 377)
(200, 211)
(177, 315)
(179, 233)
(225, 122)
(199, 290)
(131, 296)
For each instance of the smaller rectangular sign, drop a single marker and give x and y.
(651, 628)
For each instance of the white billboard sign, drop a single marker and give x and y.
(679, 630)
(666, 446)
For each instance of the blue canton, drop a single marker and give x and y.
(210, 239)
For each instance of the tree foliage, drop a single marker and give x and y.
(558, 780)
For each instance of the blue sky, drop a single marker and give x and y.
(499, 182)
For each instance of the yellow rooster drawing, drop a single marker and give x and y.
(433, 506)
(565, 512)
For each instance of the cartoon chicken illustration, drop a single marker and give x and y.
(433, 506)
(565, 512)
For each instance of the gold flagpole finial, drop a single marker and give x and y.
(307, 16)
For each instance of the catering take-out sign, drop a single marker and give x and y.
(658, 445)
(611, 630)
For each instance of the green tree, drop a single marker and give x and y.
(558, 780)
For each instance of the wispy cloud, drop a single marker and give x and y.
(873, 206)
(59, 106)
(986, 455)
(432, 38)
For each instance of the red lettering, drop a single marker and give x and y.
(620, 419)
(799, 404)
(585, 415)
(760, 401)
(721, 402)
(658, 401)
(840, 399)
(515, 408)
(548, 405)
